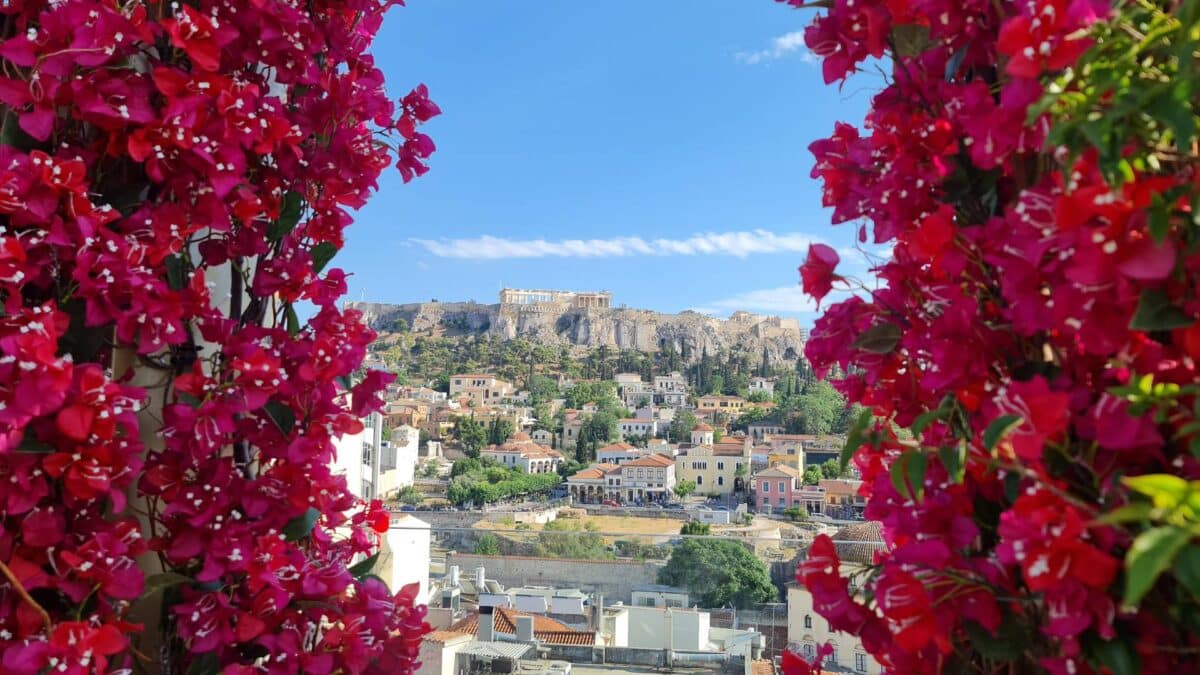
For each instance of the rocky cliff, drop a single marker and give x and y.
(616, 327)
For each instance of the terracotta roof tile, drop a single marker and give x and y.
(545, 630)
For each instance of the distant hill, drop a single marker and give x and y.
(558, 318)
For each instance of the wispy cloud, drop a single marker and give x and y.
(737, 244)
(781, 300)
(781, 46)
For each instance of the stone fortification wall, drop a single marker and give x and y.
(614, 578)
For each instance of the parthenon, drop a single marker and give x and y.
(579, 300)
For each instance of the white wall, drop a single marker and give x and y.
(649, 628)
(404, 558)
(406, 441)
(348, 461)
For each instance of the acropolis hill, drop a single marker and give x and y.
(588, 319)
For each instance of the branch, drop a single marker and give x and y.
(24, 595)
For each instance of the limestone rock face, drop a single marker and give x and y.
(691, 333)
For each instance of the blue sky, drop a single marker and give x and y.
(653, 149)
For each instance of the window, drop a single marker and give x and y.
(782, 501)
(860, 662)
(644, 602)
(782, 486)
(833, 656)
(808, 650)
(808, 620)
(720, 466)
(766, 486)
(720, 480)
(699, 480)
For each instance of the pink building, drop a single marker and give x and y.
(781, 486)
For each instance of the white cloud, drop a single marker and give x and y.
(780, 47)
(737, 244)
(781, 300)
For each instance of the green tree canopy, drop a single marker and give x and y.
(718, 573)
(695, 527)
(471, 434)
(681, 426)
(684, 488)
(488, 544)
(813, 475)
(499, 430)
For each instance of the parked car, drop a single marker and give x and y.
(609, 502)
(408, 507)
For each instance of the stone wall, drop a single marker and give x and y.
(614, 578)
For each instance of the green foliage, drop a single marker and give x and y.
(796, 513)
(684, 488)
(484, 483)
(410, 495)
(695, 527)
(541, 389)
(499, 430)
(682, 425)
(598, 429)
(641, 550)
(1168, 520)
(813, 475)
(718, 572)
(566, 538)
(471, 434)
(833, 469)
(488, 544)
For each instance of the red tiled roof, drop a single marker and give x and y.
(652, 461)
(617, 447)
(594, 472)
(702, 427)
(780, 469)
(443, 635)
(545, 630)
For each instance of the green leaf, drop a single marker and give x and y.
(176, 272)
(921, 423)
(999, 428)
(289, 216)
(364, 567)
(204, 664)
(954, 459)
(1187, 569)
(321, 255)
(854, 438)
(1008, 643)
(881, 338)
(1012, 486)
(1117, 655)
(156, 583)
(1155, 312)
(1151, 554)
(1166, 490)
(293, 320)
(302, 525)
(281, 415)
(1160, 218)
(1135, 512)
(345, 381)
(908, 474)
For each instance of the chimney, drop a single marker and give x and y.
(454, 576)
(598, 613)
(480, 578)
(524, 629)
(486, 632)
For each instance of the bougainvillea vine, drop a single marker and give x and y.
(1028, 357)
(174, 179)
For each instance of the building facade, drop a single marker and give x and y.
(715, 471)
(520, 451)
(647, 479)
(482, 389)
(781, 487)
(807, 631)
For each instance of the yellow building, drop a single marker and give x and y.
(713, 404)
(719, 468)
